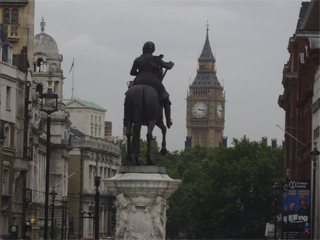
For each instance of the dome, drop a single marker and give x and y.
(44, 43)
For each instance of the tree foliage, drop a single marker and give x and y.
(213, 179)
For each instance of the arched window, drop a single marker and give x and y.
(39, 89)
(15, 16)
(40, 64)
(6, 15)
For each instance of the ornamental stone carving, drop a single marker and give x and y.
(142, 194)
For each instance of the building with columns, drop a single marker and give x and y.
(87, 116)
(91, 157)
(29, 65)
(46, 66)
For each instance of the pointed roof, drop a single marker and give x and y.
(206, 78)
(206, 53)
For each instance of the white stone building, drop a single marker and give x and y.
(47, 68)
(91, 156)
(88, 117)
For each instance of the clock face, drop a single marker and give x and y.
(219, 110)
(199, 109)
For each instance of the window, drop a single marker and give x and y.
(90, 177)
(6, 15)
(4, 220)
(8, 97)
(316, 133)
(39, 89)
(9, 55)
(40, 64)
(5, 181)
(56, 87)
(15, 16)
(7, 135)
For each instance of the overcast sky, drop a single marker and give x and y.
(249, 40)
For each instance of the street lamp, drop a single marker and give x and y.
(276, 190)
(314, 153)
(49, 104)
(241, 211)
(97, 204)
(64, 202)
(53, 195)
(252, 195)
(238, 203)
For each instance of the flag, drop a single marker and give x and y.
(71, 66)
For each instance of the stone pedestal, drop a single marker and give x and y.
(142, 193)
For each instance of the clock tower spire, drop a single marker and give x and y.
(205, 102)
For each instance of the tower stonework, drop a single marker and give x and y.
(205, 103)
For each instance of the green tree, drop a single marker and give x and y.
(213, 179)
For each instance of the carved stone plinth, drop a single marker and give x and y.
(142, 193)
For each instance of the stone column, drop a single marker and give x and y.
(142, 193)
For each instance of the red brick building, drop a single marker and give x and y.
(296, 100)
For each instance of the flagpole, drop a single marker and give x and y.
(72, 80)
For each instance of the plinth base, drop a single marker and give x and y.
(142, 193)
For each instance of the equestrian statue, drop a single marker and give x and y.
(145, 100)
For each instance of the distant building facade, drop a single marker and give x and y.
(298, 82)
(91, 157)
(29, 64)
(92, 123)
(47, 70)
(205, 103)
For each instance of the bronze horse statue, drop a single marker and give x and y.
(143, 107)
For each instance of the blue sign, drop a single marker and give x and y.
(296, 210)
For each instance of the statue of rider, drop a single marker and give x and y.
(148, 71)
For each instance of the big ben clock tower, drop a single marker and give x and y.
(205, 103)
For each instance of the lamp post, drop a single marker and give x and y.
(314, 153)
(53, 195)
(252, 195)
(97, 204)
(64, 202)
(241, 211)
(276, 189)
(49, 104)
